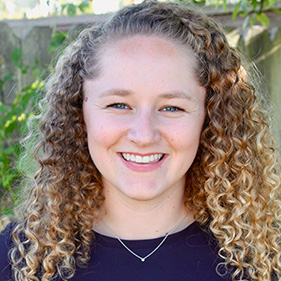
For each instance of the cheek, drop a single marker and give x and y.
(185, 135)
(103, 131)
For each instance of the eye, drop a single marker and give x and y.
(172, 109)
(119, 106)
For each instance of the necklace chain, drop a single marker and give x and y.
(143, 259)
(139, 257)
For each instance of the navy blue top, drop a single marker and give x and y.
(189, 255)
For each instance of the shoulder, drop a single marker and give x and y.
(204, 248)
(5, 245)
(198, 235)
(208, 247)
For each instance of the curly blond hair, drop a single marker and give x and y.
(233, 184)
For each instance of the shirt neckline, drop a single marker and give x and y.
(192, 229)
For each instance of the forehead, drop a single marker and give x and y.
(134, 44)
(153, 47)
(146, 64)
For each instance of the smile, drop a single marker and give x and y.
(147, 159)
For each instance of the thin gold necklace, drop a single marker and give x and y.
(143, 259)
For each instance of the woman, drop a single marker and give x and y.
(155, 162)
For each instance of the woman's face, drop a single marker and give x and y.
(144, 114)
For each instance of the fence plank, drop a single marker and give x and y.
(8, 42)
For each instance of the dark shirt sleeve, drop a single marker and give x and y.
(5, 269)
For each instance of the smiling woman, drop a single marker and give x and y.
(156, 162)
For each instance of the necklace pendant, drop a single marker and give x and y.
(142, 259)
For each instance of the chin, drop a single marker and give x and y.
(142, 198)
(143, 195)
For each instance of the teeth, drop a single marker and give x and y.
(139, 159)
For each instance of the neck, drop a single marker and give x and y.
(133, 219)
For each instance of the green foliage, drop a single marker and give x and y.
(57, 41)
(252, 10)
(13, 123)
(72, 10)
(14, 117)
(16, 60)
(6, 79)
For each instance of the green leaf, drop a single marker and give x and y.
(272, 2)
(263, 19)
(244, 6)
(57, 40)
(199, 2)
(24, 68)
(5, 79)
(63, 7)
(224, 5)
(2, 135)
(16, 110)
(245, 23)
(7, 212)
(254, 4)
(217, 3)
(10, 125)
(278, 11)
(7, 180)
(16, 100)
(10, 150)
(4, 108)
(26, 97)
(235, 11)
(253, 19)
(16, 57)
(71, 10)
(17, 148)
(83, 6)
(35, 67)
(25, 100)
(22, 117)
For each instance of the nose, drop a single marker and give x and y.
(144, 129)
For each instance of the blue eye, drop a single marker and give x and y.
(172, 109)
(119, 106)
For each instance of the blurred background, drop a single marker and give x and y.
(17, 9)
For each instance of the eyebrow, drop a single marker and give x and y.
(168, 95)
(116, 92)
(176, 95)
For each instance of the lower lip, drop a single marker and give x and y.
(144, 167)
